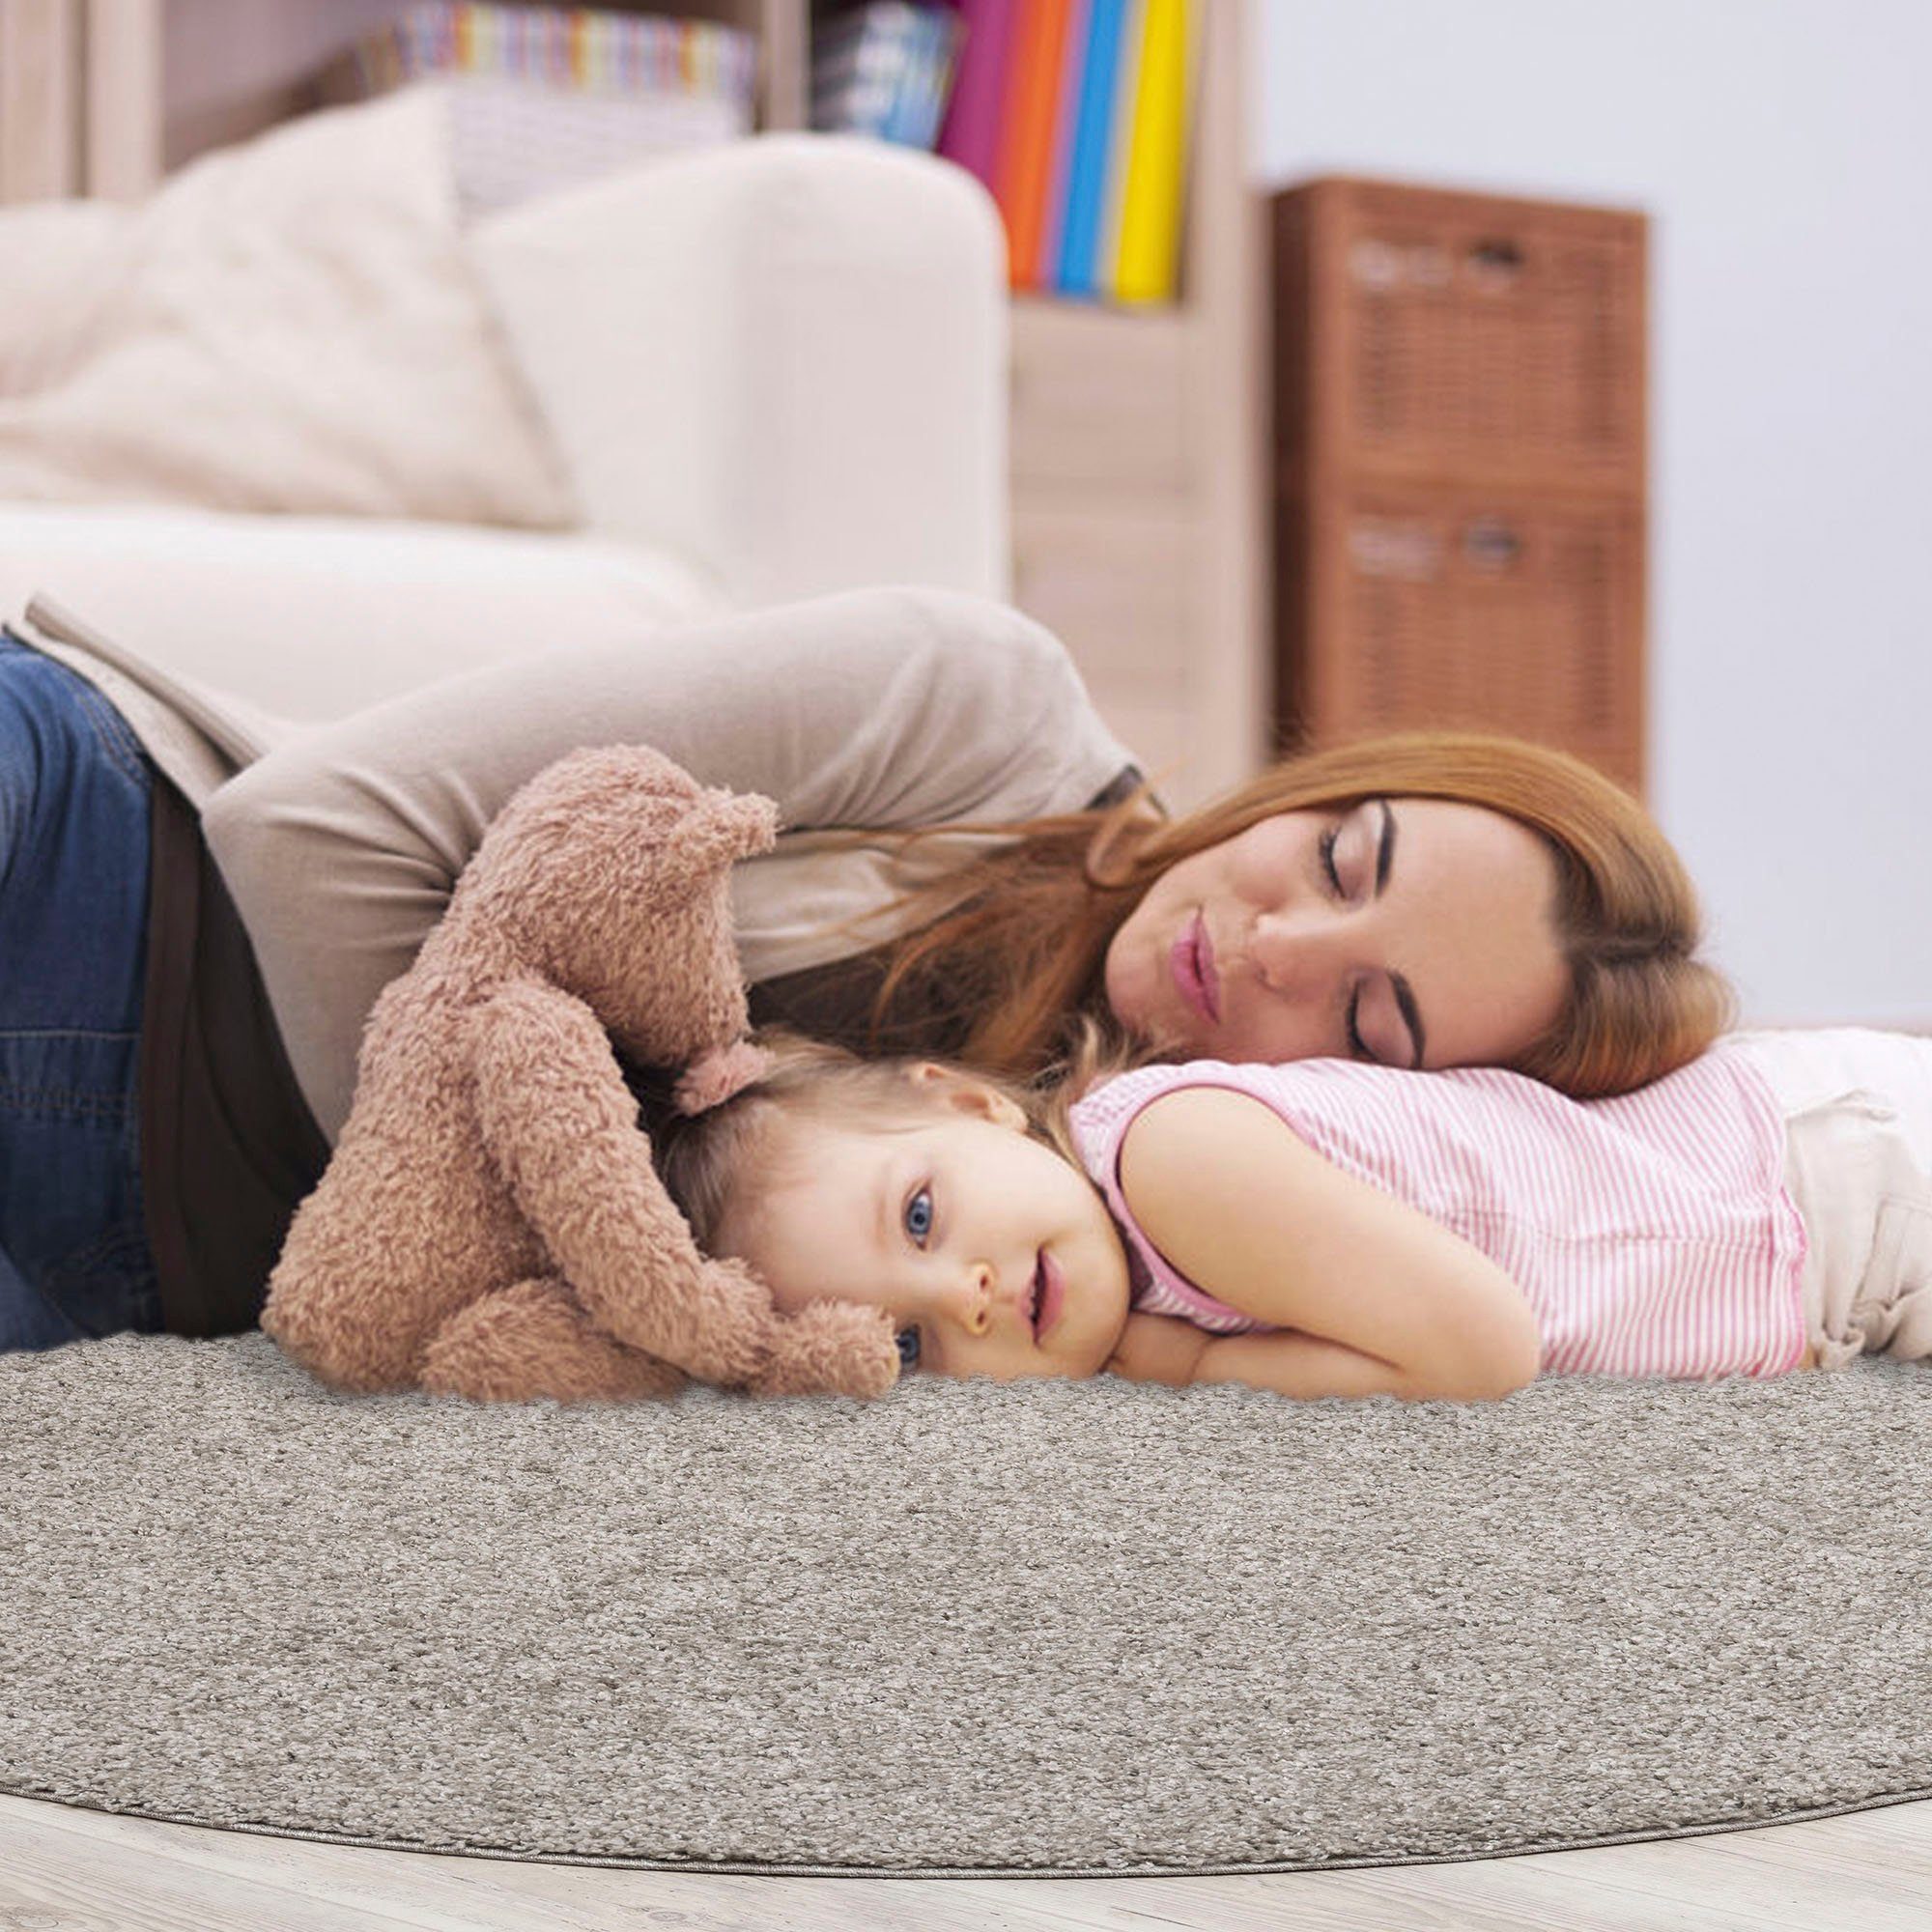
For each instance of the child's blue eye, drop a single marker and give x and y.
(919, 1231)
(907, 1341)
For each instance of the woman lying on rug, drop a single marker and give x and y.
(1333, 1227)
(186, 970)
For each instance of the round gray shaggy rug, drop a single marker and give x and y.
(971, 1628)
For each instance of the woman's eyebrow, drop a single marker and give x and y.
(1385, 851)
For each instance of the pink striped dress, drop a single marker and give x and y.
(1651, 1233)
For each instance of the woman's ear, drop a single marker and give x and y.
(967, 1095)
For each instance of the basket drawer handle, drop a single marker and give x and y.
(1491, 542)
(1495, 265)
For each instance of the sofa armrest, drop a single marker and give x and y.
(783, 358)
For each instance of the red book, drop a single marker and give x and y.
(1033, 66)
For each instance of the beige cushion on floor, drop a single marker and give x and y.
(291, 325)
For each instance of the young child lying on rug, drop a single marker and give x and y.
(1335, 1228)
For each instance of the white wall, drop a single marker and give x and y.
(1783, 149)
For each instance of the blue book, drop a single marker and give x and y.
(1086, 167)
(1065, 124)
(916, 118)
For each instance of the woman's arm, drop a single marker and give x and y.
(1383, 1298)
(887, 707)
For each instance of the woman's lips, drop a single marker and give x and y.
(1052, 1294)
(1191, 961)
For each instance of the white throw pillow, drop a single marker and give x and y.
(291, 325)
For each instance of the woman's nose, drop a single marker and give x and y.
(1295, 954)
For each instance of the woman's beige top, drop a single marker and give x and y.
(881, 708)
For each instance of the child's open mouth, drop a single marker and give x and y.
(1049, 1293)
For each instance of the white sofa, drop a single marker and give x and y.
(772, 369)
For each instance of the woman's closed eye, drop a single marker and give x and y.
(1361, 870)
(1355, 851)
(1358, 1047)
(1326, 846)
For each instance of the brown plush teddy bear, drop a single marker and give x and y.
(490, 1224)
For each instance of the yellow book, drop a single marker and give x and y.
(1119, 146)
(1157, 152)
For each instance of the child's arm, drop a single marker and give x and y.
(1165, 1349)
(1157, 1349)
(1383, 1299)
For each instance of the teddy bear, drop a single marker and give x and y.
(491, 1223)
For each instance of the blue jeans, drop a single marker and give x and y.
(74, 792)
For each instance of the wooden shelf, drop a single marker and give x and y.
(1139, 473)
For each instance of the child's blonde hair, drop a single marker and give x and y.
(704, 1158)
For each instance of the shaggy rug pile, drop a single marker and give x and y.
(972, 1628)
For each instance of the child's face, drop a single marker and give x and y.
(998, 1254)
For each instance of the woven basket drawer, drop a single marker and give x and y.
(1420, 609)
(1457, 336)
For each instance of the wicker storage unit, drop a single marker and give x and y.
(1461, 451)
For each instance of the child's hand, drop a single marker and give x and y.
(1159, 1348)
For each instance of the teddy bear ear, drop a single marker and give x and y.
(730, 826)
(712, 1077)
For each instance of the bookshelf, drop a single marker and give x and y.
(1139, 454)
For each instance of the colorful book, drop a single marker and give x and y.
(1026, 154)
(1088, 151)
(573, 49)
(938, 53)
(971, 134)
(1119, 147)
(884, 70)
(1158, 157)
(1060, 164)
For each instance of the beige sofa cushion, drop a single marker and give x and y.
(309, 617)
(287, 326)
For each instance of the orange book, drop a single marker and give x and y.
(1035, 61)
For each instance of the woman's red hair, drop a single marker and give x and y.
(1012, 947)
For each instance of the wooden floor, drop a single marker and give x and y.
(64, 1870)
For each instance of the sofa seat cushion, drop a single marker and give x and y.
(309, 617)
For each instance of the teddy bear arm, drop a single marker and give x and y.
(560, 1126)
(531, 1340)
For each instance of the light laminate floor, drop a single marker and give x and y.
(65, 1870)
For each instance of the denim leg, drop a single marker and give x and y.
(74, 792)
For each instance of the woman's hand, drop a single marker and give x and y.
(1159, 1348)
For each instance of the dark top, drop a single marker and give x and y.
(228, 1145)
(229, 1148)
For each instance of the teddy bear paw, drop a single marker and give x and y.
(727, 1338)
(831, 1347)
